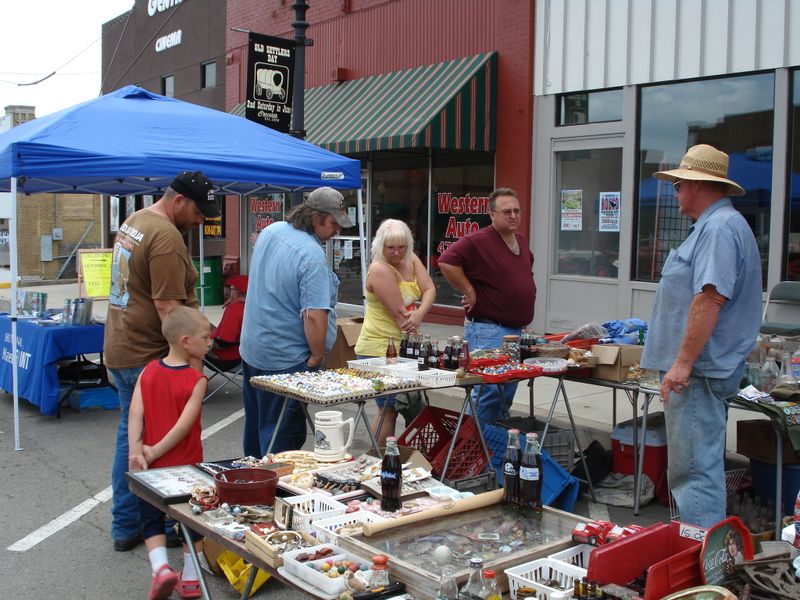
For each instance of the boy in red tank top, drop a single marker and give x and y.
(164, 431)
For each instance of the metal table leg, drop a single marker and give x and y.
(251, 578)
(362, 413)
(278, 424)
(778, 478)
(563, 391)
(196, 562)
(467, 402)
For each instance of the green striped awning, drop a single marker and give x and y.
(446, 105)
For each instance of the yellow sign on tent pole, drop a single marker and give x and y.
(94, 272)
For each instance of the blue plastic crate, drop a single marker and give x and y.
(100, 397)
(559, 488)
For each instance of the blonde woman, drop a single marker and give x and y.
(399, 293)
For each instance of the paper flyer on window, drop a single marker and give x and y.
(609, 211)
(571, 210)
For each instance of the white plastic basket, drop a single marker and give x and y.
(576, 556)
(310, 507)
(434, 378)
(378, 364)
(544, 569)
(311, 575)
(325, 530)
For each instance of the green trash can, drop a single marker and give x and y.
(212, 291)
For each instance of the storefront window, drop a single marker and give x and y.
(462, 183)
(589, 107)
(261, 210)
(588, 216)
(792, 271)
(734, 114)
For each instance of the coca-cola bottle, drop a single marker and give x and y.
(391, 352)
(391, 477)
(463, 357)
(511, 463)
(403, 351)
(424, 353)
(447, 354)
(415, 347)
(530, 475)
(433, 359)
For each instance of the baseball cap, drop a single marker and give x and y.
(327, 199)
(239, 282)
(197, 187)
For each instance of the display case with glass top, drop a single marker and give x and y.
(501, 536)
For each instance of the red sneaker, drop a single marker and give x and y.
(188, 588)
(163, 583)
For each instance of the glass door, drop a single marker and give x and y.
(588, 208)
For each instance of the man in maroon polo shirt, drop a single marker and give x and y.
(493, 270)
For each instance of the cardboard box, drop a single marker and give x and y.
(415, 457)
(614, 360)
(755, 438)
(344, 348)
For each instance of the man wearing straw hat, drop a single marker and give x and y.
(704, 323)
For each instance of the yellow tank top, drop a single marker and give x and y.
(379, 325)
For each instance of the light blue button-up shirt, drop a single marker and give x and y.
(289, 275)
(720, 251)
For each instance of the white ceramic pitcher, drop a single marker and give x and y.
(329, 440)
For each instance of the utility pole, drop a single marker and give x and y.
(297, 128)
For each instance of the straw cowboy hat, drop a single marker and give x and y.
(702, 163)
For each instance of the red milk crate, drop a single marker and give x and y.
(431, 433)
(672, 561)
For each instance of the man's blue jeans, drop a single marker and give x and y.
(696, 429)
(125, 518)
(482, 336)
(261, 411)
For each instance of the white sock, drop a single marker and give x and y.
(189, 572)
(158, 558)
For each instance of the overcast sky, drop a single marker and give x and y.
(37, 37)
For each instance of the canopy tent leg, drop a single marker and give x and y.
(202, 270)
(361, 244)
(12, 248)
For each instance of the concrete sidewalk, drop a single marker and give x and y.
(592, 406)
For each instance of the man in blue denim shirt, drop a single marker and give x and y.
(704, 323)
(289, 318)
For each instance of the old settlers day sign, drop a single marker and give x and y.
(270, 68)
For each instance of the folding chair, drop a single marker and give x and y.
(782, 311)
(230, 375)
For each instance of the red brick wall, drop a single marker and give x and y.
(368, 37)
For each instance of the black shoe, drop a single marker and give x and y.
(128, 544)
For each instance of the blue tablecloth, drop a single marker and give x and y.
(39, 348)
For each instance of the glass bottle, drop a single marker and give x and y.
(530, 475)
(380, 571)
(391, 476)
(415, 347)
(391, 352)
(448, 589)
(403, 351)
(787, 375)
(489, 590)
(775, 347)
(433, 359)
(511, 347)
(463, 357)
(511, 462)
(422, 357)
(66, 315)
(472, 589)
(769, 374)
(447, 354)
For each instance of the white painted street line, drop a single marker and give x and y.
(72, 515)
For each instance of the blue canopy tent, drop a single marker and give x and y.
(132, 141)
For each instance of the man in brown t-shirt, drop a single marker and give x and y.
(493, 269)
(151, 273)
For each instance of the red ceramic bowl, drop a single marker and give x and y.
(246, 486)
